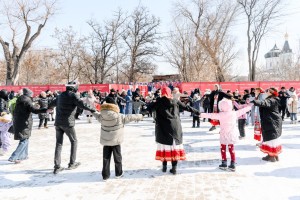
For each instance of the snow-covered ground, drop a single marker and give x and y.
(198, 177)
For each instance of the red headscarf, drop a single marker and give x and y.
(166, 91)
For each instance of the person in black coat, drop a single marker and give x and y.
(22, 124)
(283, 96)
(66, 104)
(271, 125)
(214, 98)
(206, 103)
(43, 103)
(168, 130)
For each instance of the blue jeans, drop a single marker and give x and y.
(21, 153)
(293, 116)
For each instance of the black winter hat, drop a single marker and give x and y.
(112, 90)
(110, 100)
(27, 92)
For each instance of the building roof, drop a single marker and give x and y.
(274, 52)
(286, 47)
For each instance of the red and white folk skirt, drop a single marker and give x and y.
(170, 152)
(272, 147)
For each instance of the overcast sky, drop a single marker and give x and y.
(75, 13)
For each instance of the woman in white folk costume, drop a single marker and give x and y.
(168, 130)
(271, 125)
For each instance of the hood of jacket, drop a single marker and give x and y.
(129, 93)
(109, 111)
(225, 105)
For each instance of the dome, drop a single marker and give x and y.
(274, 52)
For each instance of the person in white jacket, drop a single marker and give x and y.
(112, 135)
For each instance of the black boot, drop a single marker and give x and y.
(269, 158)
(164, 166)
(231, 167)
(277, 158)
(173, 170)
(174, 167)
(198, 125)
(223, 166)
(212, 128)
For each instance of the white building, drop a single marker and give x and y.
(277, 58)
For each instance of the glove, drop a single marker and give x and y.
(92, 111)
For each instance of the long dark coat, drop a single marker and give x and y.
(22, 117)
(168, 123)
(43, 102)
(271, 122)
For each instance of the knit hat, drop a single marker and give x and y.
(166, 91)
(112, 90)
(27, 92)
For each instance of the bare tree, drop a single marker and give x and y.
(2, 72)
(42, 65)
(187, 55)
(103, 45)
(260, 15)
(70, 47)
(211, 20)
(141, 39)
(25, 21)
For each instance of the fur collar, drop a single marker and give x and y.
(109, 106)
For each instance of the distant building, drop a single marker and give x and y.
(171, 77)
(277, 58)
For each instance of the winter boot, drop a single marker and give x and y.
(212, 128)
(223, 166)
(198, 125)
(164, 166)
(277, 158)
(231, 167)
(193, 126)
(269, 158)
(173, 170)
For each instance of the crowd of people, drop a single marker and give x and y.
(231, 110)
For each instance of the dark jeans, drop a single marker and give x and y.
(70, 132)
(196, 119)
(116, 151)
(206, 110)
(282, 110)
(41, 122)
(241, 125)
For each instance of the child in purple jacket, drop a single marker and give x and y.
(5, 124)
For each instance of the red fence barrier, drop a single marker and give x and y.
(241, 86)
(37, 89)
(188, 87)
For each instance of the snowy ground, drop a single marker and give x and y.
(198, 178)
